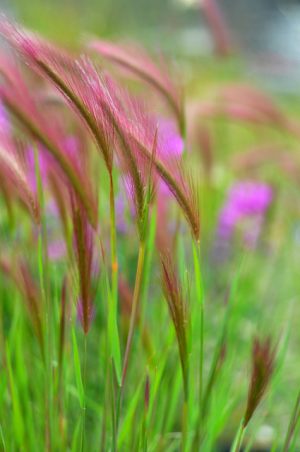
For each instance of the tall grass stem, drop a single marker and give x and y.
(134, 309)
(292, 425)
(237, 443)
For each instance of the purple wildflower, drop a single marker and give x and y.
(121, 223)
(5, 126)
(56, 250)
(123, 199)
(171, 145)
(43, 166)
(245, 206)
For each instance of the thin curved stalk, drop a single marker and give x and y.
(237, 443)
(134, 309)
(174, 187)
(114, 274)
(113, 238)
(45, 141)
(140, 68)
(292, 425)
(162, 170)
(83, 426)
(44, 281)
(84, 113)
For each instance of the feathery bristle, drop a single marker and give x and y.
(19, 272)
(242, 102)
(73, 77)
(142, 131)
(90, 95)
(139, 63)
(23, 107)
(254, 159)
(83, 241)
(214, 16)
(172, 173)
(263, 356)
(177, 309)
(14, 174)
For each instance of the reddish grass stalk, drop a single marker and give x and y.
(262, 369)
(134, 309)
(177, 309)
(77, 82)
(142, 223)
(6, 192)
(245, 103)
(68, 75)
(185, 194)
(188, 202)
(83, 241)
(263, 356)
(94, 96)
(61, 349)
(13, 173)
(292, 425)
(33, 129)
(80, 107)
(139, 131)
(218, 27)
(62, 325)
(20, 274)
(62, 201)
(139, 63)
(254, 159)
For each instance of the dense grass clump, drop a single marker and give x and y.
(145, 250)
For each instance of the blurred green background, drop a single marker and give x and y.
(268, 292)
(64, 20)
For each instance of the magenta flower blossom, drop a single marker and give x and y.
(120, 205)
(45, 161)
(171, 146)
(56, 250)
(42, 161)
(171, 143)
(245, 206)
(5, 125)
